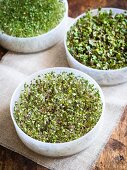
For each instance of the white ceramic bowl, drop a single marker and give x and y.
(37, 43)
(57, 149)
(103, 77)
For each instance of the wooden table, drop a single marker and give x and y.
(114, 155)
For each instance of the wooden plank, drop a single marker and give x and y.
(10, 160)
(114, 155)
(77, 7)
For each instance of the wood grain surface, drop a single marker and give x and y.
(10, 160)
(114, 155)
(76, 7)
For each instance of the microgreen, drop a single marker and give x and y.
(58, 108)
(28, 18)
(99, 41)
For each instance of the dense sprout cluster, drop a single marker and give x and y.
(99, 41)
(58, 108)
(28, 18)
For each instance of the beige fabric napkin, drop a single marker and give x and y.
(13, 69)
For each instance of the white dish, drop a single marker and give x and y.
(103, 77)
(37, 43)
(57, 149)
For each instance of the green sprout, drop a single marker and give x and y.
(58, 108)
(28, 18)
(99, 41)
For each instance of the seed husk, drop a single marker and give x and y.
(58, 108)
(28, 18)
(99, 41)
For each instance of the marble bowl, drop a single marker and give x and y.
(103, 77)
(57, 149)
(37, 43)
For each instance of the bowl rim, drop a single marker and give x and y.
(76, 61)
(55, 69)
(3, 34)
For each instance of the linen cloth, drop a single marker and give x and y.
(16, 67)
